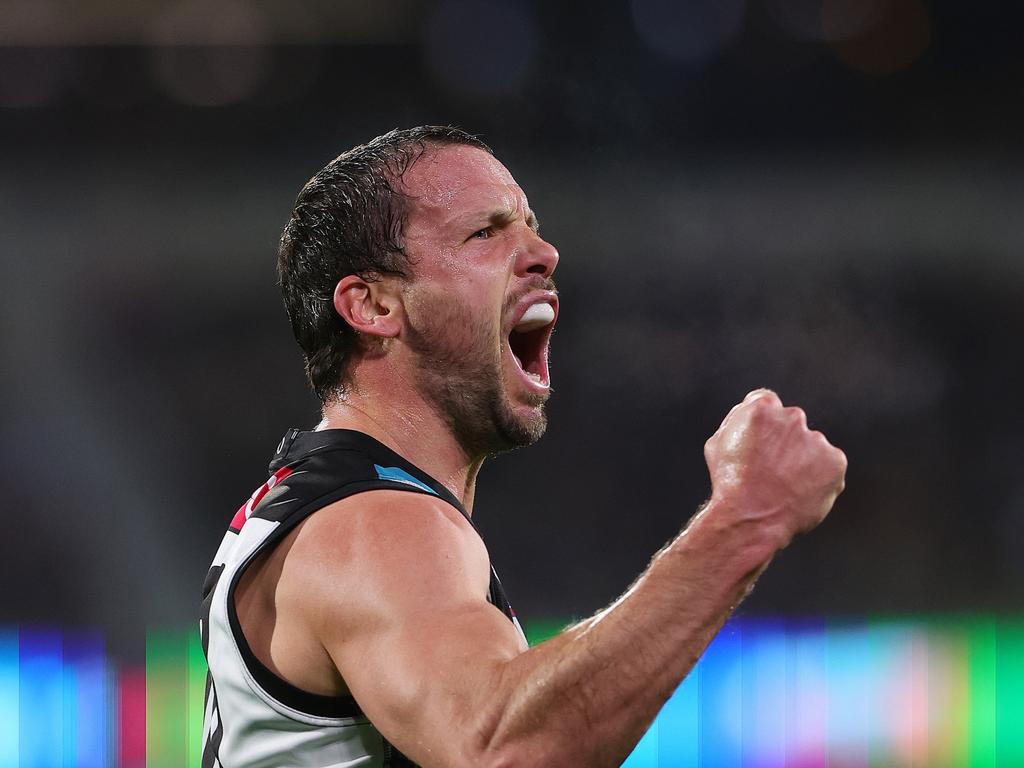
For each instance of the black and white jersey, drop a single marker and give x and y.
(253, 718)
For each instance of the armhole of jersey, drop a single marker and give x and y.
(291, 696)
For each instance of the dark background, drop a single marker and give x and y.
(818, 196)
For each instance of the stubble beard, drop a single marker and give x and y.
(460, 373)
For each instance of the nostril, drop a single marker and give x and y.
(538, 269)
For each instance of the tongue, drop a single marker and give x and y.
(537, 316)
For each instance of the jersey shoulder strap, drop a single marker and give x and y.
(333, 464)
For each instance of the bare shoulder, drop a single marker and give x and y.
(386, 595)
(381, 550)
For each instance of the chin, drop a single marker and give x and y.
(519, 427)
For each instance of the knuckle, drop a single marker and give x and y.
(842, 460)
(757, 415)
(763, 397)
(761, 405)
(797, 414)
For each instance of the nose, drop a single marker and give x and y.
(536, 256)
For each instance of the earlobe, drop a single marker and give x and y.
(371, 308)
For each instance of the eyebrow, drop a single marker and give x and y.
(506, 216)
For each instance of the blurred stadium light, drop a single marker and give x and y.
(768, 693)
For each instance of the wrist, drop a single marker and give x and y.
(749, 543)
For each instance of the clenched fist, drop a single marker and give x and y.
(769, 469)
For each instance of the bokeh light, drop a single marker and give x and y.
(899, 35)
(825, 19)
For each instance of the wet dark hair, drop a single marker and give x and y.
(349, 219)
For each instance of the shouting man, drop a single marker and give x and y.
(351, 616)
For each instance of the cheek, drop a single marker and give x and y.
(451, 267)
(459, 296)
(453, 320)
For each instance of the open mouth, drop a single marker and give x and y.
(528, 342)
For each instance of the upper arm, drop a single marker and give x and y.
(394, 585)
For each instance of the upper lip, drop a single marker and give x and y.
(534, 297)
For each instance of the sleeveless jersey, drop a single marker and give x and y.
(253, 718)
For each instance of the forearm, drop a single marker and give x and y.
(586, 696)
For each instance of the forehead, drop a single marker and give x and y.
(446, 183)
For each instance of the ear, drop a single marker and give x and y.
(371, 308)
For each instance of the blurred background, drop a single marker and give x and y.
(818, 196)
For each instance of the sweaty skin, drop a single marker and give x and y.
(384, 594)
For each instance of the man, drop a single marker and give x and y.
(351, 616)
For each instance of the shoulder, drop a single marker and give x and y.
(376, 523)
(380, 550)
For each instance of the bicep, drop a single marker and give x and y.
(423, 680)
(408, 626)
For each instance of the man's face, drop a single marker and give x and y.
(481, 302)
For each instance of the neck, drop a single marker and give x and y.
(411, 428)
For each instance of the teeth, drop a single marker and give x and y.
(537, 316)
(532, 376)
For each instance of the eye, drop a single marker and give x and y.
(482, 234)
